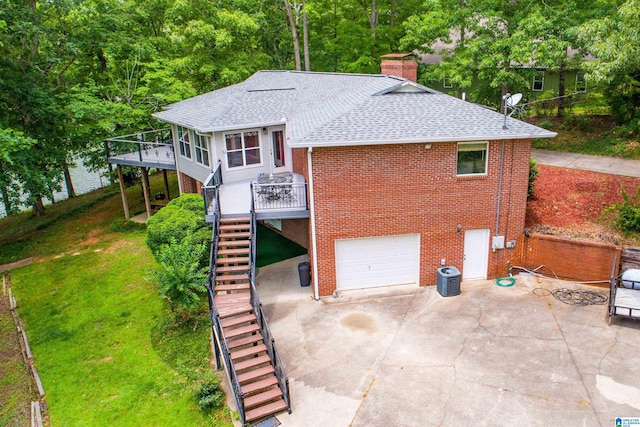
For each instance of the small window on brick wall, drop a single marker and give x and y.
(472, 158)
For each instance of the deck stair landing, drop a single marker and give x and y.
(252, 364)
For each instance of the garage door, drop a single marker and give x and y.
(377, 261)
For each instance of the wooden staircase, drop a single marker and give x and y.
(249, 354)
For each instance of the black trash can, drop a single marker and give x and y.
(304, 270)
(448, 281)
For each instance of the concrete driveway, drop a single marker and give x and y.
(405, 356)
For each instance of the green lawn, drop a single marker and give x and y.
(596, 135)
(105, 344)
(107, 348)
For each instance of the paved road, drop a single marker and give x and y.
(588, 162)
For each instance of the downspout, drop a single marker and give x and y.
(314, 245)
(499, 191)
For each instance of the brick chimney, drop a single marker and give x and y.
(400, 65)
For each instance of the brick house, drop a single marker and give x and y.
(381, 179)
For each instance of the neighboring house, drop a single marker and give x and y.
(541, 79)
(382, 179)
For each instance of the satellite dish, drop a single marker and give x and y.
(512, 100)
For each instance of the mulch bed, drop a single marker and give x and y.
(575, 199)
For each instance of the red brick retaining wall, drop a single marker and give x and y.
(568, 258)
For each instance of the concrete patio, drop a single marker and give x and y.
(405, 356)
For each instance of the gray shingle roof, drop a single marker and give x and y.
(344, 109)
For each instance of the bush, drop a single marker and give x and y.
(182, 217)
(627, 212)
(546, 124)
(209, 394)
(533, 174)
(181, 278)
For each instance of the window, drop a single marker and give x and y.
(202, 149)
(581, 82)
(183, 142)
(447, 83)
(243, 149)
(472, 158)
(538, 82)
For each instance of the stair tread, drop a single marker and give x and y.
(232, 321)
(242, 330)
(237, 251)
(228, 220)
(255, 349)
(252, 363)
(237, 298)
(245, 377)
(232, 260)
(255, 386)
(263, 397)
(233, 309)
(266, 410)
(232, 287)
(226, 243)
(231, 277)
(235, 234)
(236, 226)
(244, 341)
(232, 268)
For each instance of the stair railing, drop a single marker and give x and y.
(228, 361)
(269, 341)
(221, 344)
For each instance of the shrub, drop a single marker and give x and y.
(546, 124)
(210, 395)
(182, 217)
(627, 212)
(533, 174)
(181, 278)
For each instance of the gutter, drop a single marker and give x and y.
(422, 140)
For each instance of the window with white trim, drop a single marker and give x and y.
(581, 82)
(538, 82)
(447, 83)
(202, 150)
(472, 158)
(184, 144)
(243, 149)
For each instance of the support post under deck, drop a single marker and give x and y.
(145, 190)
(123, 193)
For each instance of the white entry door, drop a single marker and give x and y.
(377, 261)
(476, 254)
(278, 148)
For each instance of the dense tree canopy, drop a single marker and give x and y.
(73, 72)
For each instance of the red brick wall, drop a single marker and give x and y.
(568, 258)
(400, 68)
(296, 230)
(189, 185)
(388, 190)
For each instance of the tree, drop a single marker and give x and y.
(615, 42)
(501, 43)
